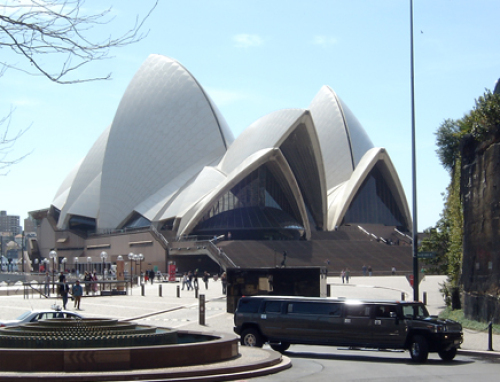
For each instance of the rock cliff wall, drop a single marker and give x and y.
(480, 190)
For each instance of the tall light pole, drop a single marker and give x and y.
(75, 265)
(131, 258)
(89, 260)
(53, 255)
(64, 261)
(414, 166)
(104, 256)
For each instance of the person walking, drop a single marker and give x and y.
(195, 279)
(64, 293)
(152, 276)
(87, 279)
(190, 280)
(342, 274)
(223, 278)
(205, 279)
(60, 285)
(185, 281)
(347, 275)
(77, 293)
(47, 284)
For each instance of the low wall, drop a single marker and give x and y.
(214, 349)
(483, 308)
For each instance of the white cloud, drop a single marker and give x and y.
(324, 40)
(247, 40)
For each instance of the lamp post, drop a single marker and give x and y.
(104, 256)
(414, 165)
(131, 258)
(89, 260)
(22, 249)
(64, 261)
(140, 257)
(53, 255)
(75, 265)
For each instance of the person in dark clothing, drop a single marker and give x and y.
(64, 290)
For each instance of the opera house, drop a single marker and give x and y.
(168, 180)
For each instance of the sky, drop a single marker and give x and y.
(255, 57)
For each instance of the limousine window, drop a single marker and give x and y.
(357, 310)
(333, 310)
(249, 305)
(415, 311)
(384, 311)
(273, 307)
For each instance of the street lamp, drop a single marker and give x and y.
(75, 265)
(131, 258)
(89, 260)
(53, 255)
(64, 261)
(140, 257)
(104, 256)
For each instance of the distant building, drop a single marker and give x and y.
(10, 223)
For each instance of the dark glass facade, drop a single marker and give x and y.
(375, 204)
(256, 208)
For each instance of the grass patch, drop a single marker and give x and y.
(458, 315)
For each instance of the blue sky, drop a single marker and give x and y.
(255, 57)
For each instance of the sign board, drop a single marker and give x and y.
(426, 255)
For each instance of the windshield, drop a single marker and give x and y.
(24, 315)
(416, 311)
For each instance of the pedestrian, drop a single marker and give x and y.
(190, 280)
(205, 279)
(95, 286)
(347, 275)
(195, 279)
(60, 285)
(64, 293)
(77, 293)
(87, 278)
(47, 284)
(364, 269)
(223, 278)
(370, 270)
(342, 274)
(152, 276)
(393, 270)
(185, 281)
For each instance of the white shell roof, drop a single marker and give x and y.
(170, 154)
(343, 140)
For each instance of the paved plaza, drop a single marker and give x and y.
(161, 307)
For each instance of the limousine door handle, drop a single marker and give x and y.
(347, 321)
(378, 322)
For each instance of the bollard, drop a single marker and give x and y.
(425, 298)
(159, 290)
(402, 296)
(490, 336)
(178, 291)
(143, 291)
(328, 290)
(202, 309)
(196, 292)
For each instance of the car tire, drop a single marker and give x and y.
(281, 347)
(448, 355)
(419, 349)
(251, 337)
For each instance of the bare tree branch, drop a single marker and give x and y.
(7, 142)
(32, 29)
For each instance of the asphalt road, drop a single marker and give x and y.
(322, 364)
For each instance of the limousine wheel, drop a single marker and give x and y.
(448, 355)
(251, 337)
(419, 349)
(282, 347)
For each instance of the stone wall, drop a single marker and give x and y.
(480, 190)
